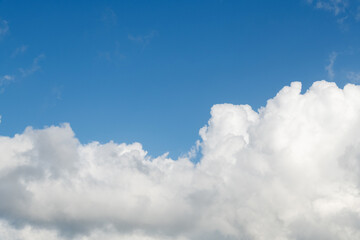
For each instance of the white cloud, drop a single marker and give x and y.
(290, 171)
(330, 68)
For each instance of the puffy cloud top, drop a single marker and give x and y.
(290, 171)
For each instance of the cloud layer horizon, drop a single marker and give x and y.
(289, 171)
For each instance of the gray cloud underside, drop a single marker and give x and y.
(289, 171)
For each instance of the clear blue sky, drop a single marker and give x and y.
(149, 71)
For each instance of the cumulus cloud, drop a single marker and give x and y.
(290, 170)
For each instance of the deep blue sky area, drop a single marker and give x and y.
(149, 71)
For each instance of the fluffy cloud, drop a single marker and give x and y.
(289, 171)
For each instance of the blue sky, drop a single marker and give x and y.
(149, 71)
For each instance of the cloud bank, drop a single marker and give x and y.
(289, 171)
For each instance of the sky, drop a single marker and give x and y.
(149, 72)
(180, 120)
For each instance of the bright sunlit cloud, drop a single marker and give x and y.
(288, 171)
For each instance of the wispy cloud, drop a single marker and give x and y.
(357, 16)
(142, 39)
(330, 68)
(56, 92)
(334, 6)
(113, 55)
(53, 97)
(34, 67)
(106, 55)
(109, 16)
(353, 76)
(5, 80)
(24, 72)
(345, 11)
(19, 51)
(4, 27)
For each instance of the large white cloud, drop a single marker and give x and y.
(289, 171)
